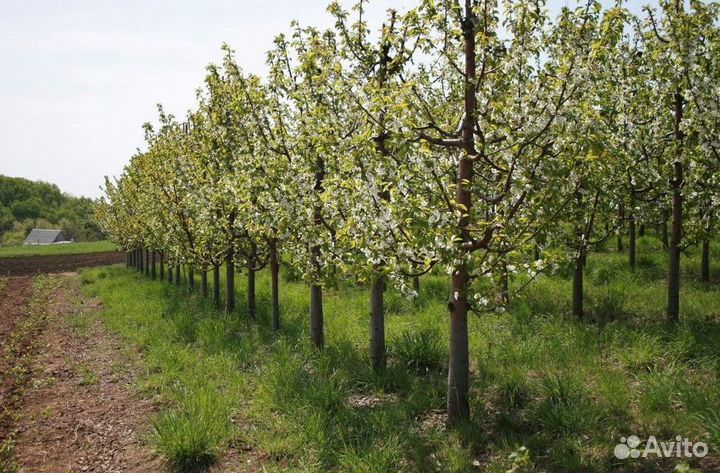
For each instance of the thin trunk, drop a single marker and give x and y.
(275, 282)
(147, 262)
(504, 283)
(140, 260)
(676, 183)
(377, 323)
(705, 262)
(416, 284)
(153, 270)
(632, 243)
(161, 256)
(251, 304)
(641, 230)
(621, 218)
(578, 309)
(458, 404)
(178, 276)
(216, 286)
(203, 283)
(230, 282)
(316, 307)
(191, 278)
(316, 316)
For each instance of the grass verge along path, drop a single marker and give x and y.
(235, 396)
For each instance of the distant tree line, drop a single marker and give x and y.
(26, 204)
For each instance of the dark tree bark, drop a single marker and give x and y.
(416, 284)
(641, 230)
(191, 278)
(316, 316)
(578, 309)
(458, 403)
(216, 286)
(632, 243)
(161, 256)
(230, 282)
(147, 262)
(178, 275)
(203, 283)
(705, 262)
(153, 269)
(275, 283)
(251, 303)
(316, 307)
(504, 283)
(676, 184)
(377, 323)
(621, 219)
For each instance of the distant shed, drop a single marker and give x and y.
(40, 236)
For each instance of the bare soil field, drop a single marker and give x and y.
(32, 265)
(71, 406)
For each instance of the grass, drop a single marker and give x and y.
(61, 249)
(548, 393)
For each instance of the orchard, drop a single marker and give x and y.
(486, 141)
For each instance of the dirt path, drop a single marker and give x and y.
(32, 265)
(14, 294)
(82, 413)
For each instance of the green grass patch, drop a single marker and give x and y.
(548, 393)
(60, 249)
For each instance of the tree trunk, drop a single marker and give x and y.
(191, 278)
(504, 283)
(416, 284)
(673, 301)
(251, 304)
(162, 265)
(458, 402)
(705, 262)
(377, 323)
(153, 270)
(578, 309)
(216, 286)
(632, 243)
(316, 316)
(316, 309)
(203, 283)
(621, 218)
(230, 282)
(275, 282)
(641, 230)
(178, 276)
(147, 262)
(140, 260)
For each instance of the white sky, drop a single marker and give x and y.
(79, 78)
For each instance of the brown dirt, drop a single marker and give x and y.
(13, 296)
(31, 265)
(82, 413)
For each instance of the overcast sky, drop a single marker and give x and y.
(80, 77)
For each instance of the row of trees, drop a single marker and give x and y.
(483, 138)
